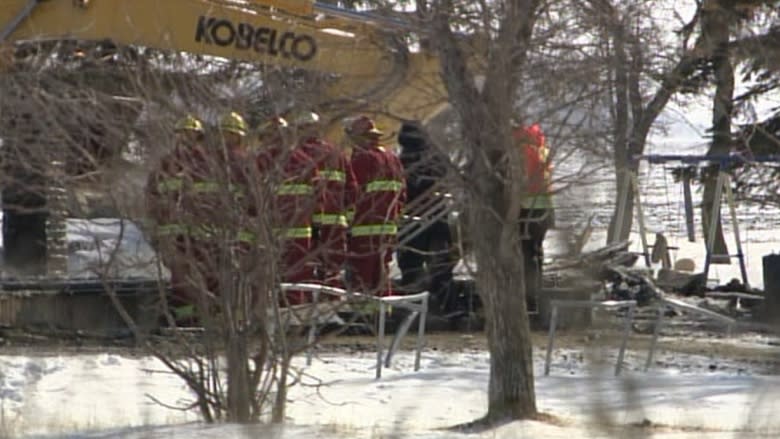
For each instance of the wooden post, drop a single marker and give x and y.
(689, 219)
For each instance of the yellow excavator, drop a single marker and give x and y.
(375, 72)
(367, 57)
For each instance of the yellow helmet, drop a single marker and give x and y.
(304, 117)
(274, 123)
(233, 123)
(362, 126)
(189, 123)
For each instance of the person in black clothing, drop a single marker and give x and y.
(425, 261)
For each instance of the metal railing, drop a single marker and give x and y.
(610, 305)
(417, 304)
(426, 210)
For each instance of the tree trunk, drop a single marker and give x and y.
(621, 133)
(280, 405)
(501, 283)
(511, 393)
(715, 28)
(239, 396)
(496, 180)
(238, 389)
(622, 189)
(628, 68)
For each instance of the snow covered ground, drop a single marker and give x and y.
(105, 395)
(686, 395)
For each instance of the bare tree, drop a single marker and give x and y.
(634, 59)
(60, 129)
(717, 21)
(634, 64)
(495, 180)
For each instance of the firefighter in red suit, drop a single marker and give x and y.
(378, 202)
(293, 176)
(164, 194)
(536, 214)
(217, 209)
(335, 189)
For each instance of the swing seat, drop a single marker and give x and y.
(686, 265)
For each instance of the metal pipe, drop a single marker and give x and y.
(714, 221)
(656, 333)
(689, 220)
(735, 226)
(624, 342)
(551, 339)
(380, 339)
(23, 14)
(640, 219)
(421, 334)
(351, 14)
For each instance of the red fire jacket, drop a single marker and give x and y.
(217, 200)
(381, 191)
(538, 167)
(293, 175)
(163, 191)
(337, 184)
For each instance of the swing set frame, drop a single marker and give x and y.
(723, 187)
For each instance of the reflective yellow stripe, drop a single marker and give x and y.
(334, 219)
(206, 187)
(203, 232)
(544, 153)
(183, 312)
(295, 189)
(541, 201)
(333, 175)
(171, 229)
(350, 215)
(384, 186)
(294, 232)
(212, 233)
(170, 185)
(239, 189)
(246, 237)
(375, 229)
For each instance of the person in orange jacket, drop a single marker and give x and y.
(336, 184)
(537, 213)
(293, 176)
(378, 201)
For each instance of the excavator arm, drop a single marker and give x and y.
(373, 74)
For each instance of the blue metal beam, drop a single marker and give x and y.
(352, 14)
(707, 159)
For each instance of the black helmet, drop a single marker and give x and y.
(412, 137)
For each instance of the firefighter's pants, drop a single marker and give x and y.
(330, 248)
(369, 259)
(193, 270)
(428, 255)
(298, 267)
(534, 224)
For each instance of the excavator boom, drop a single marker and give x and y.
(384, 79)
(222, 29)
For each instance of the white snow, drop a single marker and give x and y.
(107, 395)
